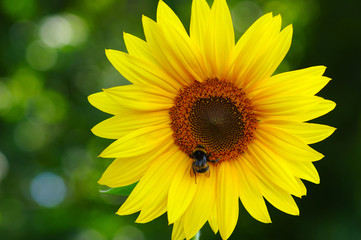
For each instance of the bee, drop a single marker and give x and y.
(200, 163)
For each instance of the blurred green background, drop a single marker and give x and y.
(52, 58)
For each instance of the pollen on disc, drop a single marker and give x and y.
(215, 114)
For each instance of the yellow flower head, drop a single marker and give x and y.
(204, 123)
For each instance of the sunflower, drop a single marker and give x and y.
(206, 123)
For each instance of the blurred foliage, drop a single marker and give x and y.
(52, 58)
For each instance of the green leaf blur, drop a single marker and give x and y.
(52, 57)
(122, 191)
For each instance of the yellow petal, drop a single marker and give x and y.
(172, 47)
(274, 194)
(305, 170)
(213, 218)
(322, 107)
(227, 198)
(156, 202)
(250, 194)
(279, 198)
(295, 108)
(307, 132)
(271, 60)
(104, 103)
(125, 171)
(199, 22)
(166, 14)
(141, 71)
(219, 39)
(120, 125)
(181, 192)
(202, 205)
(270, 168)
(131, 97)
(286, 145)
(259, 51)
(288, 168)
(154, 175)
(184, 52)
(178, 232)
(138, 142)
(138, 47)
(301, 186)
(161, 49)
(307, 82)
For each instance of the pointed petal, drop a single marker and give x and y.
(202, 205)
(259, 51)
(153, 176)
(181, 192)
(307, 171)
(219, 39)
(133, 98)
(279, 198)
(199, 22)
(166, 14)
(322, 107)
(178, 232)
(104, 103)
(156, 202)
(300, 169)
(227, 198)
(302, 186)
(213, 218)
(274, 194)
(306, 82)
(250, 193)
(120, 125)
(307, 132)
(125, 171)
(175, 51)
(141, 71)
(166, 43)
(272, 59)
(138, 47)
(271, 167)
(286, 145)
(295, 108)
(138, 142)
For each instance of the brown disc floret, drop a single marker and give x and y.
(215, 114)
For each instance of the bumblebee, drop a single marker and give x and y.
(200, 163)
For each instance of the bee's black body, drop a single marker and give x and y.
(201, 159)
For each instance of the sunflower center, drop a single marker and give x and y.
(215, 114)
(216, 122)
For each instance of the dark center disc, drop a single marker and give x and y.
(215, 114)
(216, 122)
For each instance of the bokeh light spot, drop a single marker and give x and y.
(24, 84)
(49, 107)
(61, 30)
(55, 31)
(129, 233)
(40, 57)
(90, 234)
(79, 29)
(48, 189)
